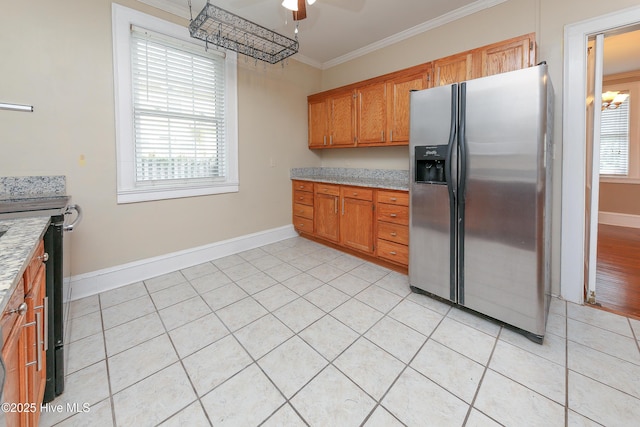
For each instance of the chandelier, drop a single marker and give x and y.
(613, 99)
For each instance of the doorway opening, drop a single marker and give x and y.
(574, 224)
(613, 177)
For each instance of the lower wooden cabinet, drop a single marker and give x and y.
(356, 218)
(326, 220)
(367, 221)
(23, 328)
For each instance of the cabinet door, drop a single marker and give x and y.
(342, 124)
(398, 105)
(510, 55)
(453, 69)
(372, 113)
(326, 219)
(356, 224)
(318, 123)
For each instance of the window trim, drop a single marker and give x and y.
(122, 19)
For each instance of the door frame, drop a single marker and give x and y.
(573, 219)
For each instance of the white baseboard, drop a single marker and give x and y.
(84, 285)
(619, 219)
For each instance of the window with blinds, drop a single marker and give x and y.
(176, 111)
(178, 94)
(614, 140)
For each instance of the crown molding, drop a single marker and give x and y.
(413, 31)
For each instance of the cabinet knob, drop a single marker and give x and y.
(22, 309)
(44, 257)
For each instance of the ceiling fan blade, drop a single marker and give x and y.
(301, 13)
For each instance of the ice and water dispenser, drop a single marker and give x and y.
(430, 164)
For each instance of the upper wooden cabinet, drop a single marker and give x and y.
(398, 101)
(509, 55)
(332, 120)
(341, 121)
(453, 69)
(371, 113)
(375, 112)
(318, 123)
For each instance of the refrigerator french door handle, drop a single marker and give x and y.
(451, 186)
(462, 184)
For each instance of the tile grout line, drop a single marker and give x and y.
(484, 372)
(184, 370)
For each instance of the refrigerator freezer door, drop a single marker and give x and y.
(502, 255)
(430, 262)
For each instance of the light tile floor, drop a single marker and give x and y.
(295, 333)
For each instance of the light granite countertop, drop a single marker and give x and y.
(376, 178)
(17, 246)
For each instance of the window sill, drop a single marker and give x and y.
(151, 194)
(618, 180)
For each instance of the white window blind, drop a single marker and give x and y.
(614, 140)
(179, 111)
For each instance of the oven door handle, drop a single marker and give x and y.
(67, 211)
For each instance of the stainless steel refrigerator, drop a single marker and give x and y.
(480, 196)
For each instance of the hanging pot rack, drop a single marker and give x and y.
(222, 28)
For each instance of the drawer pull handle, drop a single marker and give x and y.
(393, 215)
(394, 234)
(393, 253)
(393, 199)
(355, 194)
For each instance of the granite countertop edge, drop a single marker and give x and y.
(374, 178)
(17, 247)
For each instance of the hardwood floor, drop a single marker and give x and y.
(618, 269)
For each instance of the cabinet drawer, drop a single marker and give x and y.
(331, 189)
(393, 213)
(400, 198)
(33, 267)
(303, 197)
(303, 186)
(304, 211)
(358, 193)
(393, 232)
(303, 224)
(393, 252)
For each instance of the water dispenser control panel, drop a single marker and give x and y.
(430, 164)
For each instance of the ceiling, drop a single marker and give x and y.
(622, 52)
(338, 30)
